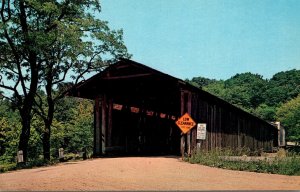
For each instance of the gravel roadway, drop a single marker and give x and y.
(141, 173)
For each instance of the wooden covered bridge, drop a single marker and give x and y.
(136, 108)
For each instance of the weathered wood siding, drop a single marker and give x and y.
(132, 84)
(229, 127)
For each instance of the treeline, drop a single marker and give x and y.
(72, 129)
(275, 99)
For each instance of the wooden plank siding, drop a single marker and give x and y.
(227, 128)
(97, 129)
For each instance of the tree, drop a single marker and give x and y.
(9, 131)
(245, 90)
(3, 129)
(201, 81)
(19, 63)
(283, 86)
(253, 93)
(266, 112)
(72, 126)
(43, 44)
(216, 88)
(289, 116)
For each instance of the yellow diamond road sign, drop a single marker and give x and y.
(185, 123)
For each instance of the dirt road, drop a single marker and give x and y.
(141, 173)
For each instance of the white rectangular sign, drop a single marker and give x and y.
(201, 131)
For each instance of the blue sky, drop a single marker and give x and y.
(209, 38)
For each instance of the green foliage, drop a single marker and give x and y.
(289, 115)
(283, 86)
(216, 88)
(3, 134)
(245, 90)
(267, 99)
(72, 130)
(285, 166)
(4, 167)
(266, 112)
(35, 147)
(10, 127)
(33, 163)
(201, 81)
(75, 132)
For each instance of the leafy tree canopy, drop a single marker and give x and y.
(244, 90)
(289, 115)
(283, 86)
(201, 81)
(43, 44)
(271, 100)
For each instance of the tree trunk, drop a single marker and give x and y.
(24, 137)
(46, 141)
(48, 120)
(26, 109)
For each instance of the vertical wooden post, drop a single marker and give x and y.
(97, 133)
(182, 110)
(170, 141)
(20, 158)
(61, 153)
(186, 106)
(283, 143)
(103, 122)
(182, 145)
(198, 145)
(189, 110)
(239, 134)
(109, 123)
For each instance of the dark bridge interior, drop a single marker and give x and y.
(135, 110)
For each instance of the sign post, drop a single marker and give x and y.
(185, 124)
(201, 134)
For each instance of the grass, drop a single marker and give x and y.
(289, 165)
(4, 167)
(10, 166)
(286, 163)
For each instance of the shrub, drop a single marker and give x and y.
(289, 165)
(7, 167)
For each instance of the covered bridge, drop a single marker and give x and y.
(136, 108)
